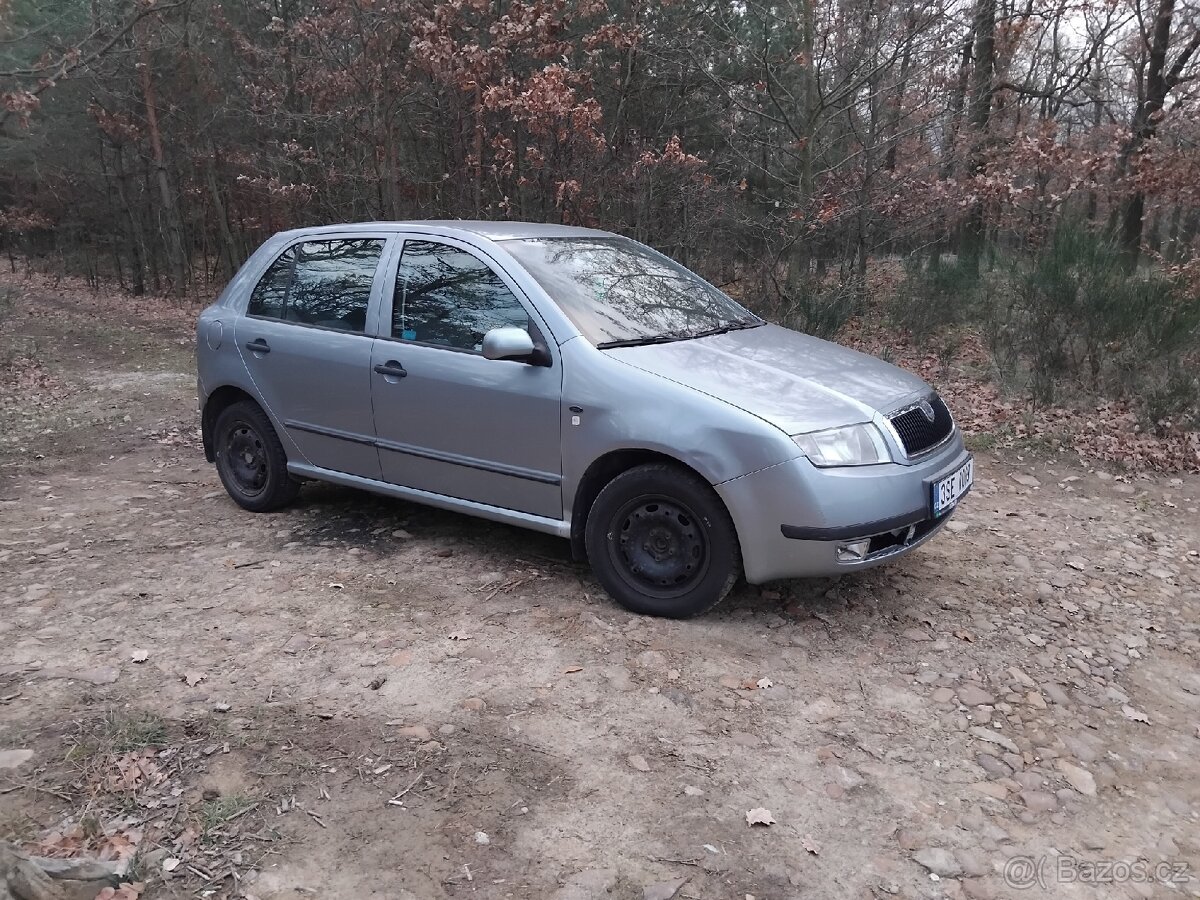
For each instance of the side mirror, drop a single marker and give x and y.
(510, 343)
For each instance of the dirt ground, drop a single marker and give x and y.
(363, 698)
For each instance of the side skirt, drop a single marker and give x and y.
(557, 527)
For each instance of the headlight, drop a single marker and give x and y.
(853, 445)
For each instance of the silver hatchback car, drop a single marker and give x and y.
(577, 383)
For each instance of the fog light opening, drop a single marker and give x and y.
(855, 551)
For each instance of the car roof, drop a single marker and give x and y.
(496, 231)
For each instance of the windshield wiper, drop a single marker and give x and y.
(671, 336)
(643, 341)
(725, 329)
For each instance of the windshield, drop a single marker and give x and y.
(619, 292)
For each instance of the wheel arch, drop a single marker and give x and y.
(604, 469)
(216, 403)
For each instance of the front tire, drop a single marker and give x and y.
(662, 543)
(250, 459)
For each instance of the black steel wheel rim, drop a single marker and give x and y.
(659, 546)
(245, 459)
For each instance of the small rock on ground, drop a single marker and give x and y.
(938, 860)
(973, 695)
(639, 763)
(1079, 778)
(12, 759)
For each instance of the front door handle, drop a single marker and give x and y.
(391, 367)
(258, 345)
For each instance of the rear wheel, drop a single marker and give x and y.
(661, 542)
(250, 459)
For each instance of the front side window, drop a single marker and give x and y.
(617, 291)
(322, 283)
(447, 297)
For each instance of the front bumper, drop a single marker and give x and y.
(796, 520)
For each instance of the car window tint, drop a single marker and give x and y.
(332, 283)
(270, 294)
(446, 296)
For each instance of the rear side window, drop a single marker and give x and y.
(270, 294)
(322, 283)
(446, 297)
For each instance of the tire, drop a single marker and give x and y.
(662, 543)
(250, 459)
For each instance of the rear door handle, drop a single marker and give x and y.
(258, 345)
(391, 367)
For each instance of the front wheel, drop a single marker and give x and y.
(661, 542)
(250, 459)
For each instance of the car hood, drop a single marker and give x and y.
(796, 382)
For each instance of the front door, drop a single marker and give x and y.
(304, 341)
(447, 420)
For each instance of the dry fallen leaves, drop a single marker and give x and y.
(120, 846)
(810, 845)
(759, 816)
(134, 770)
(139, 656)
(459, 636)
(193, 678)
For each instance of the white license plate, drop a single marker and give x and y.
(949, 490)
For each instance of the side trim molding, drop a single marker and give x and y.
(329, 432)
(558, 527)
(471, 462)
(455, 459)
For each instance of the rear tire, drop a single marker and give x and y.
(662, 543)
(250, 459)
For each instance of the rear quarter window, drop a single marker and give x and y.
(270, 294)
(321, 283)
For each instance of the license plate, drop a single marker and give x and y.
(949, 490)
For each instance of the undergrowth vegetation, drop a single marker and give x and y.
(1068, 322)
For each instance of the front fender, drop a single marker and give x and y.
(611, 406)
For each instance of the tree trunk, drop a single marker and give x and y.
(137, 240)
(1093, 205)
(980, 116)
(172, 232)
(478, 142)
(798, 256)
(958, 100)
(896, 114)
(229, 253)
(1153, 96)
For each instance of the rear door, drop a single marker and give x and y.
(306, 343)
(448, 420)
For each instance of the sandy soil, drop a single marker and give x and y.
(1024, 687)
